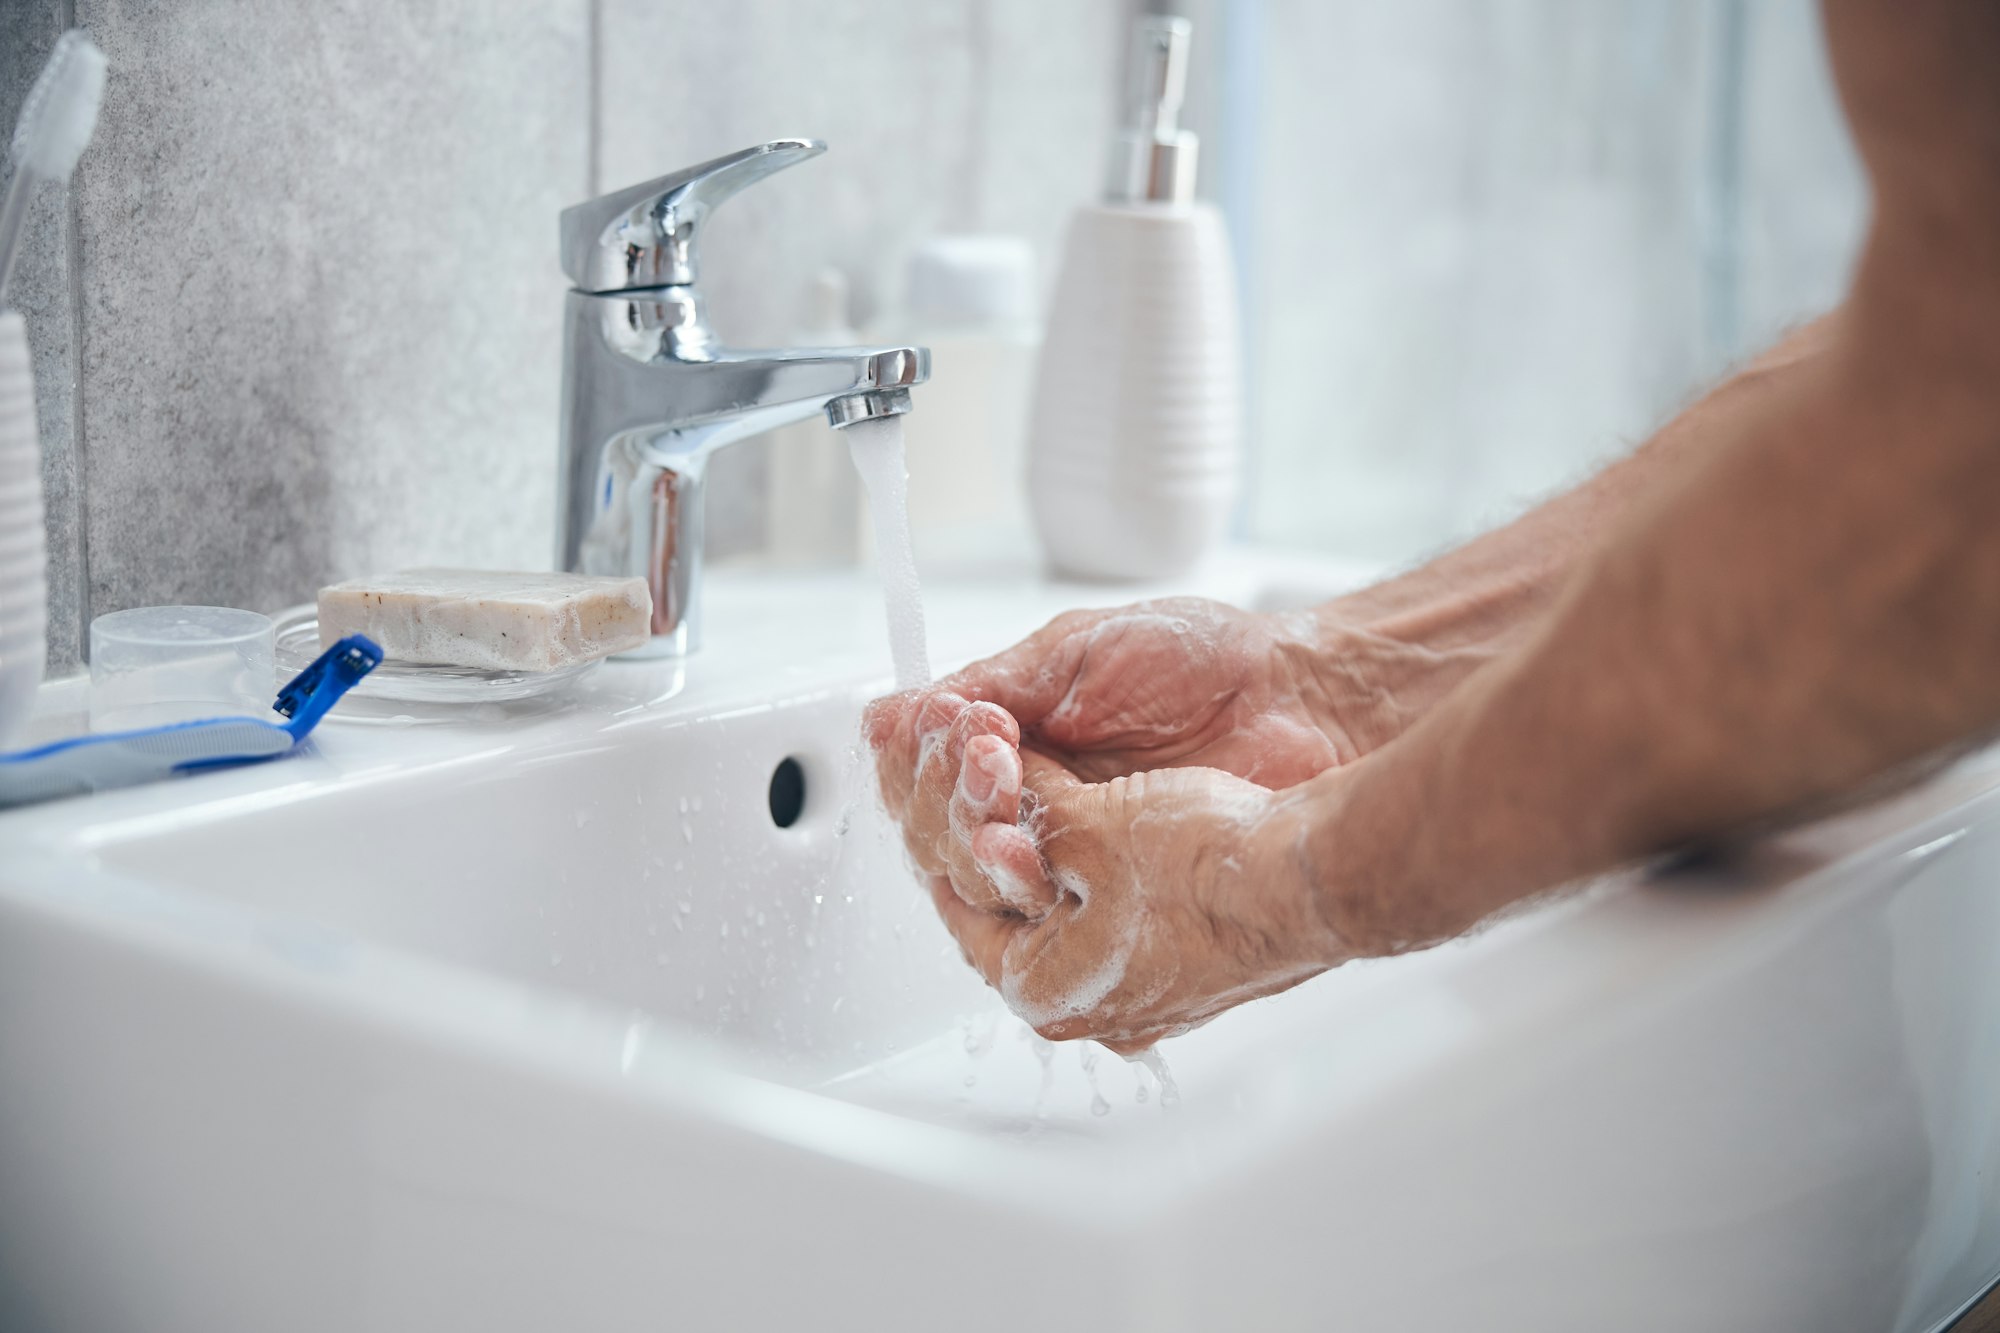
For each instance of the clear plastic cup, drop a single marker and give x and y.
(156, 665)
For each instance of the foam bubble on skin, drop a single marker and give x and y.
(1283, 737)
(1071, 882)
(1087, 993)
(1068, 708)
(1014, 891)
(1135, 1015)
(930, 744)
(1001, 766)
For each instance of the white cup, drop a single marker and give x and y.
(154, 666)
(23, 545)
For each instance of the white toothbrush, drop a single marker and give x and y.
(56, 122)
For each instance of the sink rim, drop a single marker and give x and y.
(53, 868)
(597, 1051)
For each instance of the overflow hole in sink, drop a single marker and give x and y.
(788, 792)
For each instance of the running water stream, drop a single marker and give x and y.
(876, 446)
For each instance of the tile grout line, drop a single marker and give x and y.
(593, 125)
(73, 265)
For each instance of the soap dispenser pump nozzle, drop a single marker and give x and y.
(1154, 160)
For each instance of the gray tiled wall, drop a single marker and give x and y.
(1491, 244)
(298, 316)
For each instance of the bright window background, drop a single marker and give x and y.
(1488, 243)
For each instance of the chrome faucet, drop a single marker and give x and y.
(649, 394)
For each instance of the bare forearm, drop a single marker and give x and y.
(1812, 604)
(1816, 604)
(1415, 638)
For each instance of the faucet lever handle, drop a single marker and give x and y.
(645, 236)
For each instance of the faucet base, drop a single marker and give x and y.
(673, 644)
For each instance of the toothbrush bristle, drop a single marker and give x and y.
(61, 109)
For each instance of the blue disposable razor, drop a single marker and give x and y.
(126, 758)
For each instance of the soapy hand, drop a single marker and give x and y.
(1175, 683)
(1178, 682)
(1137, 908)
(1076, 800)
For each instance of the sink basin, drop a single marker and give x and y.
(539, 1018)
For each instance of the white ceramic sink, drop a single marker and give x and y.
(536, 1020)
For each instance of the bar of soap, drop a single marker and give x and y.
(488, 619)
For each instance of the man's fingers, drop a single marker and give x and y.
(926, 816)
(1047, 779)
(895, 729)
(982, 936)
(987, 798)
(1032, 677)
(989, 785)
(942, 757)
(881, 718)
(1008, 861)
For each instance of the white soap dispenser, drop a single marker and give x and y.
(1134, 440)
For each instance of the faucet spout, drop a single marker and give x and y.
(648, 397)
(743, 393)
(649, 394)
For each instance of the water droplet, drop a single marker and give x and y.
(1098, 1106)
(582, 818)
(555, 959)
(725, 930)
(1156, 1064)
(700, 992)
(972, 1080)
(760, 920)
(684, 805)
(684, 907)
(687, 832)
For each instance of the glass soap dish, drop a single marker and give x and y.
(415, 683)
